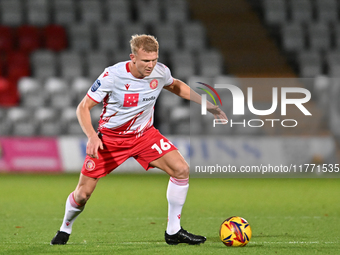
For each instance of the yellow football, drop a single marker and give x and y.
(235, 231)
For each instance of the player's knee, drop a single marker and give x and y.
(182, 172)
(81, 196)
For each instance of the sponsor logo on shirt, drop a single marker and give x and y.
(149, 99)
(106, 74)
(95, 85)
(127, 86)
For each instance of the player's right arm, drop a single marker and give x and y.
(84, 118)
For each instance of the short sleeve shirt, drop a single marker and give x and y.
(128, 102)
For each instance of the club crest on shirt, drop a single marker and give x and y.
(153, 84)
(90, 165)
(95, 85)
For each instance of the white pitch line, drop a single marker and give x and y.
(251, 242)
(294, 242)
(142, 243)
(162, 243)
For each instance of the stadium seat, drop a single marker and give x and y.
(182, 64)
(61, 100)
(7, 41)
(12, 12)
(18, 65)
(334, 109)
(181, 128)
(310, 64)
(193, 36)
(21, 121)
(275, 11)
(55, 84)
(70, 64)
(58, 93)
(31, 92)
(4, 125)
(196, 127)
(96, 62)
(326, 10)
(180, 120)
(176, 11)
(64, 12)
(301, 11)
(321, 89)
(333, 63)
(210, 63)
(91, 11)
(8, 93)
(167, 100)
(28, 85)
(16, 114)
(48, 121)
(179, 113)
(148, 11)
(95, 115)
(118, 11)
(69, 114)
(336, 33)
(38, 12)
(163, 57)
(107, 36)
(80, 37)
(130, 29)
(319, 36)
(3, 65)
(121, 55)
(167, 36)
(45, 114)
(29, 38)
(79, 88)
(54, 37)
(2, 112)
(43, 63)
(70, 122)
(293, 38)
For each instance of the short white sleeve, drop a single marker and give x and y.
(101, 87)
(168, 77)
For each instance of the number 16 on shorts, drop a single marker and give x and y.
(163, 146)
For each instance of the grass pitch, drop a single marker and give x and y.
(127, 214)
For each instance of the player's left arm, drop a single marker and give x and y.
(181, 89)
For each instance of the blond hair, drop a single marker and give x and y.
(147, 43)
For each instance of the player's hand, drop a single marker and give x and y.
(217, 112)
(93, 145)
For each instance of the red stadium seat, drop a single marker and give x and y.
(18, 65)
(55, 37)
(8, 93)
(4, 84)
(29, 38)
(2, 64)
(6, 38)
